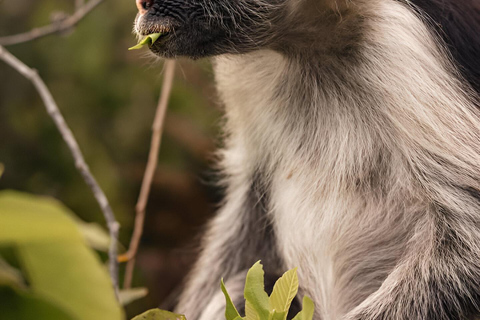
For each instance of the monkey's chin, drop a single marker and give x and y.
(190, 43)
(175, 48)
(163, 49)
(193, 41)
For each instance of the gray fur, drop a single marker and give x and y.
(352, 152)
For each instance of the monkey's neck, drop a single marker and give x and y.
(395, 95)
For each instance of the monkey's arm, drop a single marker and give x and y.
(438, 280)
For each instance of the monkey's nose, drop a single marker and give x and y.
(143, 5)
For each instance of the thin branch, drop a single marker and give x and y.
(55, 27)
(80, 164)
(79, 4)
(149, 172)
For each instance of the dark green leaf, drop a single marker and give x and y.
(23, 306)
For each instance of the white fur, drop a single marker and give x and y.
(353, 160)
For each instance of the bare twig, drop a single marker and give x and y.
(80, 164)
(149, 172)
(79, 4)
(55, 27)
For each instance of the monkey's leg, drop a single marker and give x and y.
(438, 279)
(239, 236)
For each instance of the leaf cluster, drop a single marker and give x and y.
(258, 305)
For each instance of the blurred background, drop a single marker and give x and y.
(108, 96)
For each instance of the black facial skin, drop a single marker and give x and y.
(197, 29)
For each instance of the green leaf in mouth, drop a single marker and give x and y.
(148, 40)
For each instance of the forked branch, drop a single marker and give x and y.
(81, 165)
(55, 27)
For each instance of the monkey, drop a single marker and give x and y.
(351, 150)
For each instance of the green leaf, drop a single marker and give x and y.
(22, 305)
(36, 215)
(96, 236)
(250, 313)
(26, 219)
(307, 311)
(128, 296)
(148, 40)
(255, 291)
(284, 291)
(70, 275)
(231, 312)
(157, 314)
(55, 259)
(276, 315)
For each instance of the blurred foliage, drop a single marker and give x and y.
(58, 276)
(108, 96)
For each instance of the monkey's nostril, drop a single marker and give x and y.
(144, 5)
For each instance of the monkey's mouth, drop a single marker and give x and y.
(183, 32)
(162, 27)
(163, 30)
(163, 34)
(161, 39)
(145, 26)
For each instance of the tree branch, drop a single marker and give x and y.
(80, 164)
(149, 172)
(79, 4)
(55, 27)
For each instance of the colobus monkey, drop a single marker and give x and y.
(352, 150)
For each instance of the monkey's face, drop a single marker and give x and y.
(201, 28)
